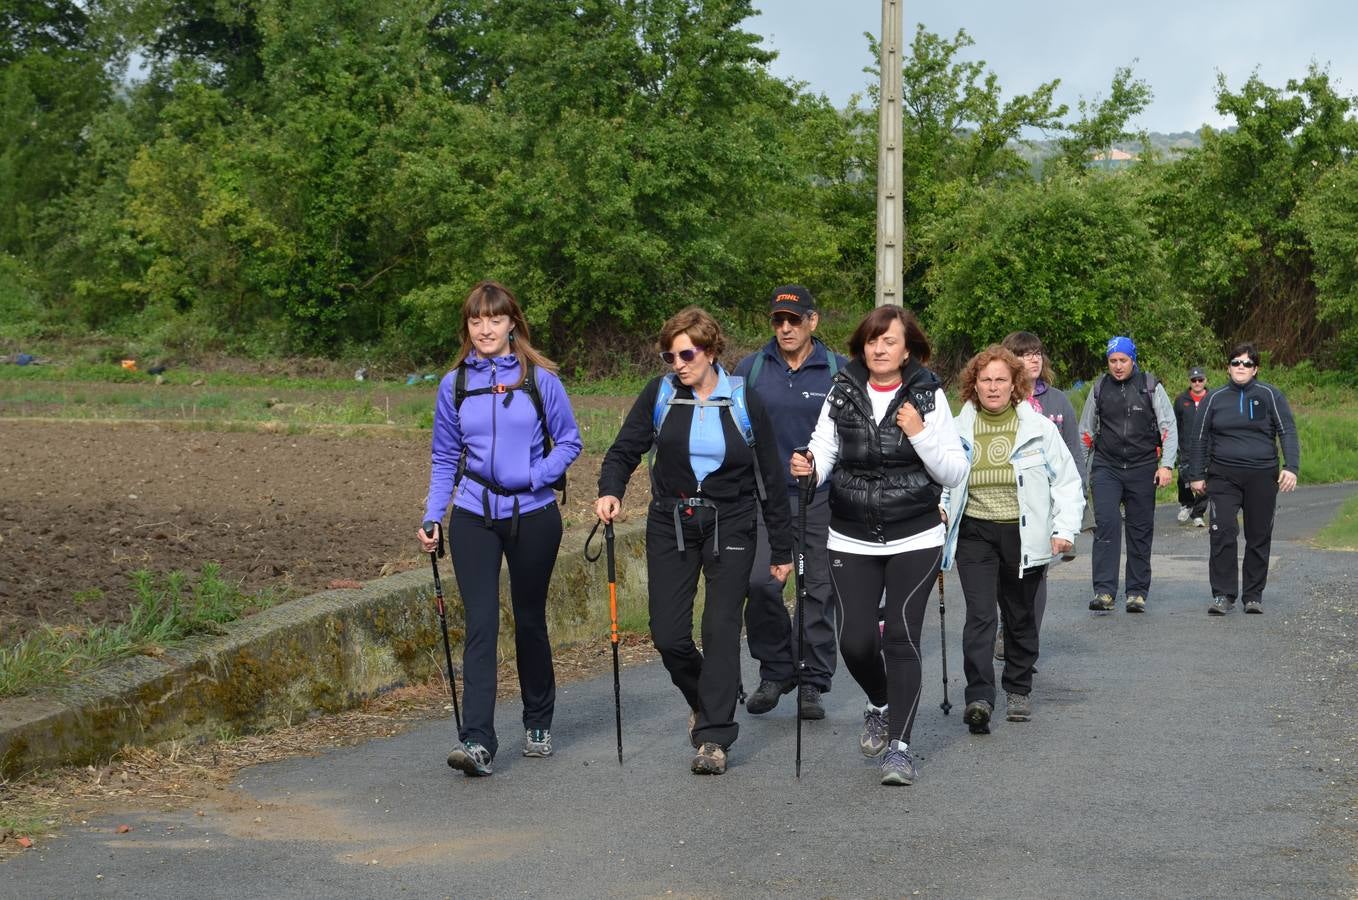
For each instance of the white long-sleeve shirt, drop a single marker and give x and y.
(939, 449)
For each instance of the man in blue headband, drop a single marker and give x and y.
(1130, 439)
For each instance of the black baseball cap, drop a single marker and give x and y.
(1197, 372)
(792, 298)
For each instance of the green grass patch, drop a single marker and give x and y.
(1342, 532)
(167, 610)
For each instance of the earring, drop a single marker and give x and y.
(511, 337)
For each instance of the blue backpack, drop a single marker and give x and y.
(735, 404)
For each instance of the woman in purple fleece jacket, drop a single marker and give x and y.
(492, 459)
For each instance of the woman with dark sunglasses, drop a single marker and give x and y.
(715, 457)
(1234, 460)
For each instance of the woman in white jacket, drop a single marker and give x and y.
(1020, 505)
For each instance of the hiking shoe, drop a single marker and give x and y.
(977, 717)
(1017, 707)
(537, 742)
(808, 702)
(1254, 607)
(873, 739)
(898, 766)
(999, 643)
(470, 758)
(1101, 602)
(1184, 514)
(766, 696)
(1198, 522)
(1221, 605)
(709, 760)
(1136, 603)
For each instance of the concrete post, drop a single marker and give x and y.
(890, 199)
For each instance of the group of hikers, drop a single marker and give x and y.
(896, 489)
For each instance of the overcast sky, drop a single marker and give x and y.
(1175, 46)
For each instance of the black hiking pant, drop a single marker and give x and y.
(1231, 490)
(884, 659)
(709, 678)
(1115, 491)
(772, 638)
(988, 559)
(477, 550)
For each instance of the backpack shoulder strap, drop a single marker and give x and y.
(740, 412)
(663, 397)
(757, 367)
(833, 359)
(459, 387)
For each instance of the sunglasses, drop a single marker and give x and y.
(1245, 363)
(781, 319)
(687, 356)
(1197, 380)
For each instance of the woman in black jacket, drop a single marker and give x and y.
(715, 457)
(1234, 454)
(887, 435)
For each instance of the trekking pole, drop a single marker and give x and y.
(613, 619)
(945, 705)
(804, 499)
(443, 619)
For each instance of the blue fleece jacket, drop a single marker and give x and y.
(503, 442)
(793, 398)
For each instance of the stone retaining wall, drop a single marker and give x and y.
(321, 653)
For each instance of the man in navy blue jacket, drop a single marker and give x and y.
(791, 374)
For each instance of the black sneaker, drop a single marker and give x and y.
(1018, 708)
(470, 758)
(977, 716)
(1254, 607)
(766, 696)
(1101, 603)
(1221, 605)
(808, 702)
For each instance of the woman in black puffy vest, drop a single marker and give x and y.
(887, 436)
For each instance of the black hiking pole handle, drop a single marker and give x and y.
(429, 528)
(946, 706)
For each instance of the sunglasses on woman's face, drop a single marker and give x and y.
(1244, 363)
(687, 356)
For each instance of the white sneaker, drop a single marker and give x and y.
(1199, 523)
(1183, 514)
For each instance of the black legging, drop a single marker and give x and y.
(477, 550)
(886, 665)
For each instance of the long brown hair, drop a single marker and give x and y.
(1020, 343)
(879, 320)
(490, 298)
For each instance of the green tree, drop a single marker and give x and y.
(1329, 220)
(1227, 211)
(1070, 258)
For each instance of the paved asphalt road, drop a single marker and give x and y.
(1170, 755)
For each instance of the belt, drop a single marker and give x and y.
(686, 505)
(492, 487)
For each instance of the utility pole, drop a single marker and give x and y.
(890, 200)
